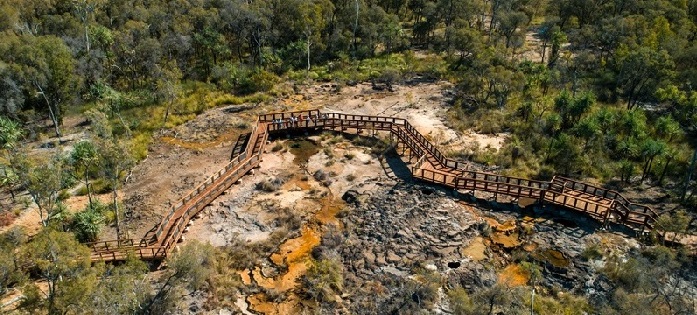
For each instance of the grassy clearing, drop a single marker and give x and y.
(142, 117)
(386, 67)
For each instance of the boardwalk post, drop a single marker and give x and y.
(607, 216)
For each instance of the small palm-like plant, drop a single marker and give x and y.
(88, 223)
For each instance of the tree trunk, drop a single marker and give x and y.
(51, 296)
(494, 7)
(688, 177)
(355, 34)
(89, 190)
(308, 53)
(44, 222)
(665, 169)
(549, 149)
(125, 126)
(87, 39)
(51, 113)
(647, 168)
(631, 102)
(553, 55)
(544, 52)
(169, 106)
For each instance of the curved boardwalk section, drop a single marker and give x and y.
(430, 165)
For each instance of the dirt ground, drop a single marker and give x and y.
(424, 105)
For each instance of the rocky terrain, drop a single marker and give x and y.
(399, 233)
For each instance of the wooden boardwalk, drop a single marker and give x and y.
(429, 164)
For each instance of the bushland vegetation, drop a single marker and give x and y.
(590, 89)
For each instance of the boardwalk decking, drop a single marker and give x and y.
(430, 165)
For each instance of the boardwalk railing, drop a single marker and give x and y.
(431, 166)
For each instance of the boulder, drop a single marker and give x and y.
(392, 257)
(381, 259)
(369, 257)
(351, 196)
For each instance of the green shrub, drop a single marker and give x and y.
(277, 147)
(592, 252)
(336, 139)
(460, 302)
(242, 125)
(63, 195)
(255, 81)
(99, 186)
(324, 280)
(88, 223)
(193, 265)
(328, 152)
(109, 217)
(270, 185)
(139, 145)
(227, 99)
(660, 255)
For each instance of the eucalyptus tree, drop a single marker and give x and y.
(64, 263)
(191, 268)
(312, 20)
(84, 158)
(122, 289)
(84, 10)
(640, 72)
(167, 85)
(42, 177)
(45, 67)
(11, 93)
(511, 24)
(115, 160)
